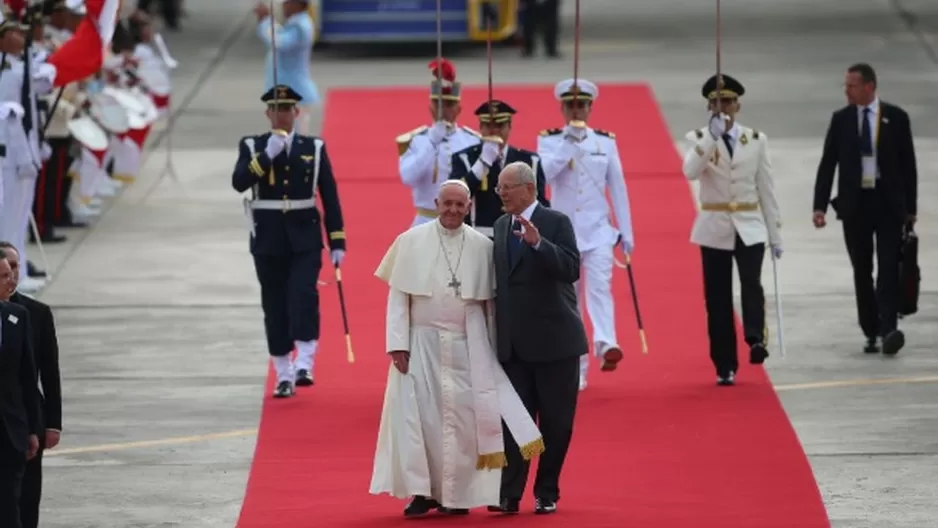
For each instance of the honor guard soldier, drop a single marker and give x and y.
(738, 215)
(480, 165)
(581, 165)
(426, 153)
(283, 170)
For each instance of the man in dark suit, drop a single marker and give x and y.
(46, 350)
(540, 334)
(284, 170)
(870, 141)
(543, 15)
(20, 423)
(480, 164)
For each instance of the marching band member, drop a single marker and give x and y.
(89, 169)
(479, 165)
(580, 164)
(426, 153)
(293, 42)
(738, 215)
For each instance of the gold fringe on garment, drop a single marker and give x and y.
(532, 449)
(491, 461)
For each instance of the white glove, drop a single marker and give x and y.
(626, 244)
(437, 132)
(46, 151)
(27, 172)
(777, 251)
(338, 255)
(490, 152)
(275, 145)
(718, 125)
(576, 133)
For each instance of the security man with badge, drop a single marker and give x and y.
(479, 165)
(738, 215)
(283, 170)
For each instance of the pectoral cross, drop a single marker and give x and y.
(455, 285)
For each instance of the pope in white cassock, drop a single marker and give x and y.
(440, 440)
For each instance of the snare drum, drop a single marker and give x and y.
(124, 98)
(109, 113)
(87, 132)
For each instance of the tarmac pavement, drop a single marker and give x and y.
(157, 305)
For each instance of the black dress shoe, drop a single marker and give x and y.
(71, 223)
(34, 272)
(420, 505)
(757, 354)
(506, 506)
(872, 347)
(304, 378)
(726, 379)
(284, 390)
(893, 342)
(544, 506)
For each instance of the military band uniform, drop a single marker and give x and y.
(580, 167)
(738, 216)
(426, 153)
(482, 179)
(286, 237)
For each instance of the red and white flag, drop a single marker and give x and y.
(83, 55)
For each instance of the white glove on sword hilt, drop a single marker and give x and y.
(718, 124)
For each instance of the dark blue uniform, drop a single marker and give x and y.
(487, 205)
(287, 242)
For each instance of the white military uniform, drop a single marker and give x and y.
(737, 195)
(424, 165)
(579, 171)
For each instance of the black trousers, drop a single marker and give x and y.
(169, 10)
(58, 184)
(289, 298)
(549, 391)
(32, 488)
(875, 229)
(12, 467)
(543, 15)
(718, 296)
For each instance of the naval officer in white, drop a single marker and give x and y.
(426, 153)
(738, 215)
(580, 165)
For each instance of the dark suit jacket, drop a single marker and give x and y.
(536, 316)
(19, 391)
(290, 177)
(45, 347)
(895, 156)
(487, 203)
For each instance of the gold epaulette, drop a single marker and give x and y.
(606, 133)
(471, 131)
(551, 131)
(694, 135)
(403, 140)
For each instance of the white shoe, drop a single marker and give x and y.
(85, 212)
(106, 191)
(582, 383)
(30, 285)
(95, 202)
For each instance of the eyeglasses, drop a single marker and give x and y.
(507, 187)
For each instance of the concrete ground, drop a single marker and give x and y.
(160, 417)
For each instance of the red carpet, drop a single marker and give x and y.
(656, 444)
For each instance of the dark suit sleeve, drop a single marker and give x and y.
(560, 255)
(329, 195)
(541, 182)
(824, 181)
(907, 164)
(462, 172)
(29, 381)
(248, 168)
(47, 354)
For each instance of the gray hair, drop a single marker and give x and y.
(525, 172)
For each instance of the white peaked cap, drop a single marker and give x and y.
(586, 88)
(76, 6)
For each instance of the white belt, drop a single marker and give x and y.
(283, 205)
(487, 231)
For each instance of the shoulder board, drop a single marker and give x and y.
(471, 131)
(755, 134)
(694, 135)
(551, 131)
(407, 136)
(606, 133)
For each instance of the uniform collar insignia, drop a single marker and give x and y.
(307, 159)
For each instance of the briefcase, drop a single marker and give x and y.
(910, 276)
